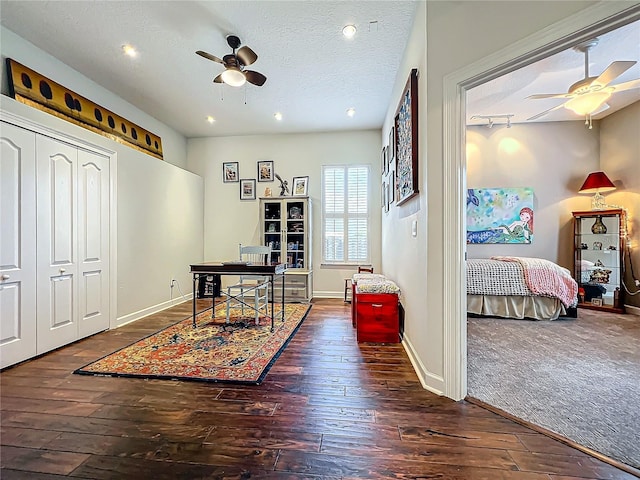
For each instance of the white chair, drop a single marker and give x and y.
(251, 288)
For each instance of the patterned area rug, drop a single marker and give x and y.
(240, 352)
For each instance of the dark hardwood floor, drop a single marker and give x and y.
(329, 408)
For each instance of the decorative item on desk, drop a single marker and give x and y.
(583, 246)
(597, 245)
(596, 183)
(598, 227)
(267, 192)
(612, 247)
(596, 302)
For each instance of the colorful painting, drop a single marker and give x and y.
(500, 215)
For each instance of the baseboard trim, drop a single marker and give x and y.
(614, 463)
(429, 381)
(633, 310)
(132, 317)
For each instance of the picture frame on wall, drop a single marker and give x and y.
(383, 160)
(248, 189)
(230, 172)
(406, 141)
(392, 145)
(265, 171)
(300, 187)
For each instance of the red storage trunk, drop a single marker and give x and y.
(377, 318)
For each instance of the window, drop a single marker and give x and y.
(345, 214)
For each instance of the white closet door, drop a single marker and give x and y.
(93, 242)
(57, 271)
(17, 245)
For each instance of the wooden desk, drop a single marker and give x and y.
(217, 268)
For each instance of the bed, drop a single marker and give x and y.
(520, 288)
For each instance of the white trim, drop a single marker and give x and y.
(632, 310)
(428, 380)
(132, 317)
(592, 21)
(328, 294)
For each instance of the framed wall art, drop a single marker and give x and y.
(247, 189)
(230, 172)
(500, 215)
(300, 186)
(265, 171)
(406, 141)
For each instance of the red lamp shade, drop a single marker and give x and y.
(597, 182)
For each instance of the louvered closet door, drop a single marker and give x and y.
(93, 243)
(17, 245)
(57, 277)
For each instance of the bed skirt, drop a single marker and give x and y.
(518, 307)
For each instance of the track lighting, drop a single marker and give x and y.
(491, 118)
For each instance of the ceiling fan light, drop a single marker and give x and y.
(587, 103)
(233, 77)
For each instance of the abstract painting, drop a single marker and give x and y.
(500, 215)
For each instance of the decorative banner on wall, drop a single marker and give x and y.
(500, 215)
(35, 90)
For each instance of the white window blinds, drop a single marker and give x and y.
(345, 214)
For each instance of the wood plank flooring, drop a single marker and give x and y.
(330, 408)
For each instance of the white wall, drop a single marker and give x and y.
(174, 145)
(446, 36)
(620, 160)
(553, 158)
(230, 221)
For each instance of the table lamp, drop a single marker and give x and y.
(595, 183)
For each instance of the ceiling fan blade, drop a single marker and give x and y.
(547, 95)
(209, 56)
(218, 79)
(246, 55)
(621, 87)
(535, 117)
(612, 72)
(255, 77)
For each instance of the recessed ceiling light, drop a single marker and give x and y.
(351, 111)
(129, 50)
(349, 31)
(210, 119)
(277, 116)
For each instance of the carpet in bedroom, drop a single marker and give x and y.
(577, 377)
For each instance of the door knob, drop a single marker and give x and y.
(62, 270)
(5, 277)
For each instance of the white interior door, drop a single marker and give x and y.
(93, 242)
(17, 245)
(57, 258)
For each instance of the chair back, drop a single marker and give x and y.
(255, 254)
(365, 269)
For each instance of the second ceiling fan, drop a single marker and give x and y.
(234, 63)
(587, 97)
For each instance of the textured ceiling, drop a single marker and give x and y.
(314, 74)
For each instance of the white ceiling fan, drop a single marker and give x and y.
(588, 96)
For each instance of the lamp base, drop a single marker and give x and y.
(597, 202)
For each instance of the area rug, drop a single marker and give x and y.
(214, 351)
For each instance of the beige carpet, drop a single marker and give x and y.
(577, 377)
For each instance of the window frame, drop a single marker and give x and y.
(346, 216)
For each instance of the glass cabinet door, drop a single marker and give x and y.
(599, 248)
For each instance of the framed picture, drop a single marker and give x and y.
(383, 160)
(406, 140)
(300, 186)
(392, 186)
(392, 145)
(248, 189)
(230, 172)
(265, 171)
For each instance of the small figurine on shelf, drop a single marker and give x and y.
(284, 186)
